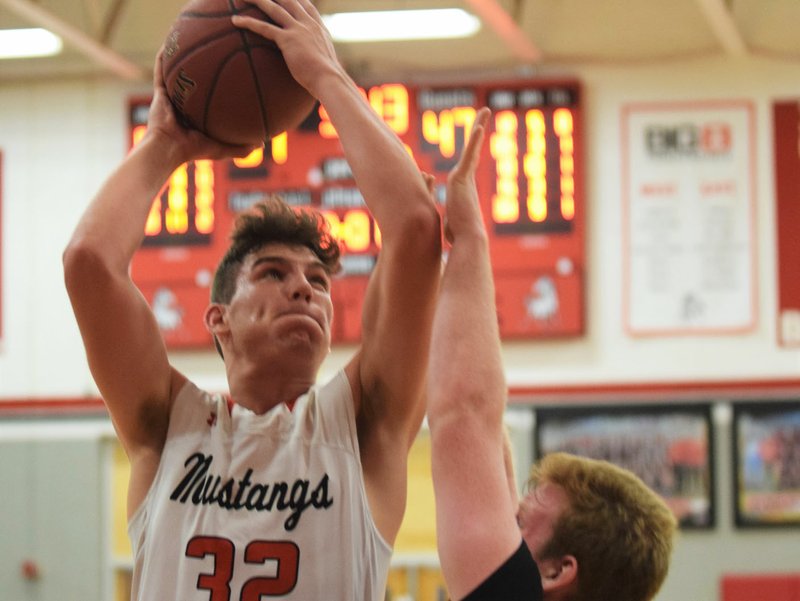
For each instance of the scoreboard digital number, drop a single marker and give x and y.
(530, 184)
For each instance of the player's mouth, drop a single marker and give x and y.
(302, 316)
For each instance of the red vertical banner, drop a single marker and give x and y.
(1, 247)
(786, 121)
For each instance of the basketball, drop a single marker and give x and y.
(229, 83)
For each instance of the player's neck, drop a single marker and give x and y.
(260, 388)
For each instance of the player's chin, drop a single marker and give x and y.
(305, 333)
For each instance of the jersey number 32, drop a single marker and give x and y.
(218, 583)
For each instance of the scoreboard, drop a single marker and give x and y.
(530, 182)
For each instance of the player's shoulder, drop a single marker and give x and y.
(187, 399)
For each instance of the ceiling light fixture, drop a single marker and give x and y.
(395, 25)
(27, 43)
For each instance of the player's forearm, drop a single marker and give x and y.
(112, 227)
(465, 348)
(387, 176)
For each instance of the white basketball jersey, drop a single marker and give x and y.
(247, 507)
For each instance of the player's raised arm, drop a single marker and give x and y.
(388, 375)
(124, 348)
(476, 531)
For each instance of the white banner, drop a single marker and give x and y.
(688, 187)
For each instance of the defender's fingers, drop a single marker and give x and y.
(478, 127)
(430, 181)
(469, 157)
(482, 117)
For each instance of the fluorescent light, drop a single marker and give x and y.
(393, 25)
(25, 43)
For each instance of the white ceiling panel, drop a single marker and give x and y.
(119, 38)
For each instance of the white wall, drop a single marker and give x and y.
(59, 140)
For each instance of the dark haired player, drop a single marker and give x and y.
(296, 490)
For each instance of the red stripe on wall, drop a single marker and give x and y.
(53, 406)
(612, 392)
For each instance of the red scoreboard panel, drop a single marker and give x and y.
(530, 182)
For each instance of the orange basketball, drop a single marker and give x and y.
(229, 83)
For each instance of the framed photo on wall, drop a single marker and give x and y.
(670, 447)
(766, 452)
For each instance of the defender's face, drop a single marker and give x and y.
(283, 297)
(539, 511)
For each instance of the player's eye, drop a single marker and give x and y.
(320, 281)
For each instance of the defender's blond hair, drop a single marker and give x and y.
(618, 529)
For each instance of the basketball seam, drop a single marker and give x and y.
(257, 82)
(213, 86)
(190, 14)
(199, 45)
(254, 74)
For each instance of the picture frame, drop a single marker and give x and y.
(766, 457)
(670, 447)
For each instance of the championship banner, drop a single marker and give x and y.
(688, 188)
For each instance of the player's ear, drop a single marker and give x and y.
(215, 319)
(559, 573)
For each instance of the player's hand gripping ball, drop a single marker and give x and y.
(229, 83)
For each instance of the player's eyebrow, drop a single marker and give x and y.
(281, 260)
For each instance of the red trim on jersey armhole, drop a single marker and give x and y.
(229, 401)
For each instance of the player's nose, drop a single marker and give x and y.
(300, 288)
